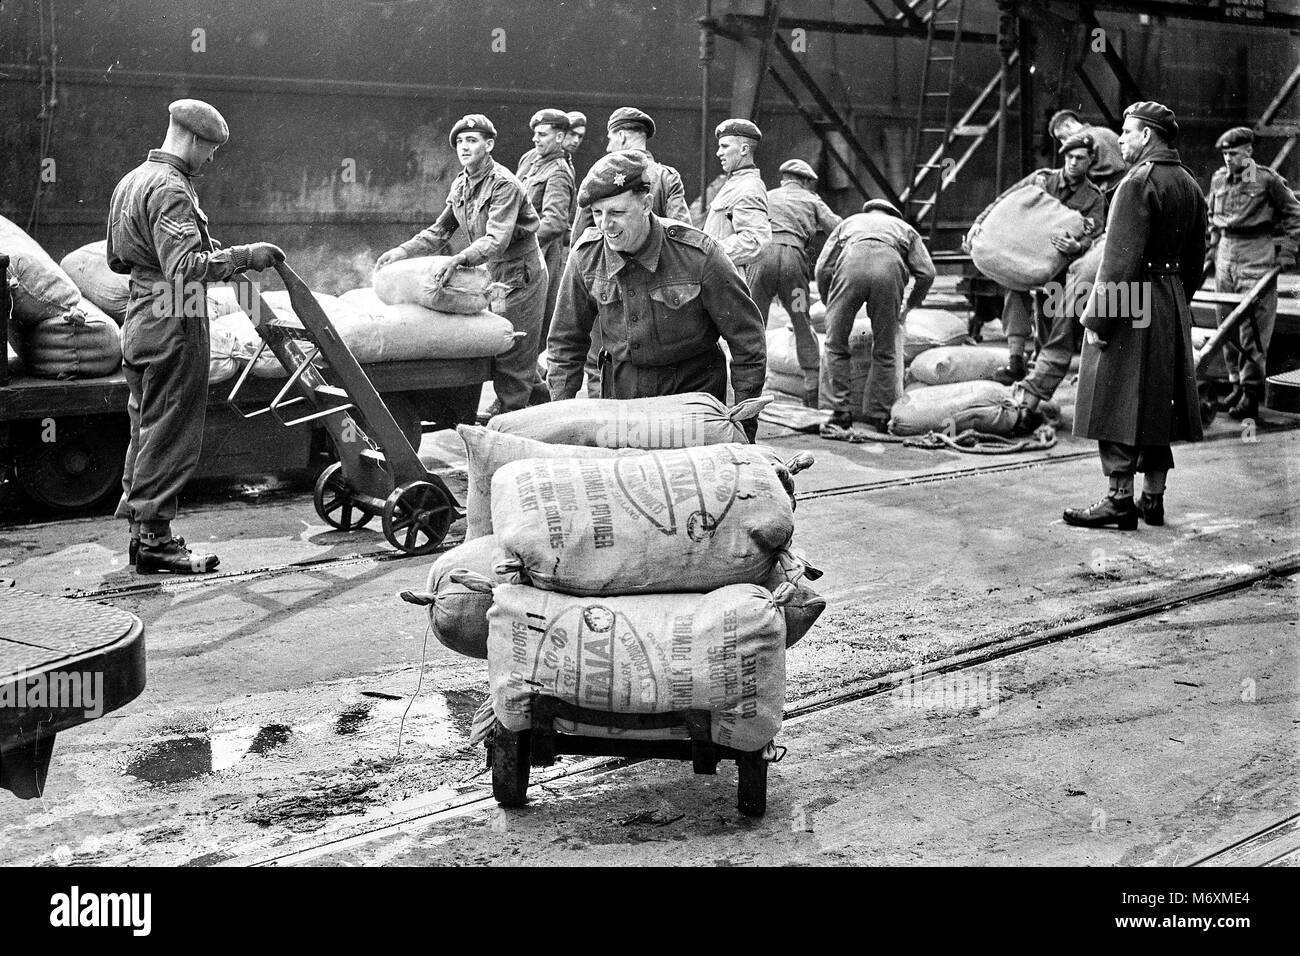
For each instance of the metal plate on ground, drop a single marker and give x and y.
(1282, 392)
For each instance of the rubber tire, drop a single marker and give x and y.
(751, 790)
(333, 476)
(509, 766)
(77, 472)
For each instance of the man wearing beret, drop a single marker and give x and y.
(158, 235)
(547, 178)
(1247, 203)
(1108, 167)
(659, 292)
(1137, 378)
(1071, 186)
(490, 205)
(866, 261)
(738, 216)
(576, 134)
(797, 215)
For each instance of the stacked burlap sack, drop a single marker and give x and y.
(624, 579)
(54, 330)
(1013, 246)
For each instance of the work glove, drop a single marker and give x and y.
(257, 256)
(392, 255)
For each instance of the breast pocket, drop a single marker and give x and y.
(679, 322)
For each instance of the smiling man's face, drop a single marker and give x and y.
(624, 220)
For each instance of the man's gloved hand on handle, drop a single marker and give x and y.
(256, 256)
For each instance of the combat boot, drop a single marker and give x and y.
(1152, 508)
(1121, 512)
(134, 548)
(173, 557)
(1232, 398)
(1014, 371)
(1247, 406)
(841, 419)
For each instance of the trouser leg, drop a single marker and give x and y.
(1057, 346)
(884, 301)
(554, 257)
(794, 296)
(1250, 259)
(515, 373)
(1017, 320)
(167, 358)
(764, 286)
(845, 299)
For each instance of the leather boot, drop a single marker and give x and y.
(841, 419)
(1232, 398)
(812, 398)
(1247, 406)
(1014, 371)
(1121, 512)
(173, 558)
(134, 548)
(1152, 508)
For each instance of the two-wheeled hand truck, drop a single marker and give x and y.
(378, 472)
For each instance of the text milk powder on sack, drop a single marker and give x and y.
(697, 518)
(666, 421)
(723, 652)
(467, 290)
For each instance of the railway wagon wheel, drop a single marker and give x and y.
(72, 464)
(334, 502)
(509, 756)
(751, 790)
(417, 516)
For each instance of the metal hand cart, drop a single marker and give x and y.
(378, 472)
(1205, 388)
(510, 753)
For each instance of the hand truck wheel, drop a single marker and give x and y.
(509, 757)
(1208, 402)
(751, 791)
(333, 500)
(417, 516)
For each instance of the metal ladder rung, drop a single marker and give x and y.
(969, 130)
(947, 23)
(937, 94)
(940, 59)
(934, 129)
(331, 390)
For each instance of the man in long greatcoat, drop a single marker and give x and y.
(1137, 386)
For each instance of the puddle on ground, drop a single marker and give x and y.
(173, 760)
(350, 721)
(270, 737)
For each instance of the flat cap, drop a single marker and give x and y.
(738, 127)
(556, 118)
(797, 167)
(881, 205)
(473, 123)
(201, 119)
(577, 119)
(1237, 136)
(1155, 114)
(630, 116)
(1060, 115)
(614, 173)
(1079, 141)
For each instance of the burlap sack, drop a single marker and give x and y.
(723, 652)
(458, 614)
(407, 281)
(691, 519)
(927, 329)
(41, 290)
(984, 406)
(376, 332)
(88, 268)
(668, 421)
(1014, 247)
(957, 363)
(225, 354)
(1082, 276)
(80, 347)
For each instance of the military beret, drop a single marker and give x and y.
(1155, 114)
(473, 123)
(201, 119)
(626, 116)
(738, 127)
(1060, 115)
(614, 173)
(1079, 141)
(881, 205)
(1237, 136)
(797, 167)
(556, 118)
(577, 120)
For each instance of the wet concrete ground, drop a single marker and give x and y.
(274, 701)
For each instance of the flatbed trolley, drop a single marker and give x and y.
(510, 753)
(378, 472)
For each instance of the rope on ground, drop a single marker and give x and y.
(970, 441)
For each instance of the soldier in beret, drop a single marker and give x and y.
(660, 292)
(738, 216)
(489, 204)
(867, 260)
(547, 178)
(577, 133)
(1247, 204)
(158, 235)
(1108, 166)
(784, 267)
(1071, 186)
(1137, 379)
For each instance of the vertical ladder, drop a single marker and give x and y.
(934, 117)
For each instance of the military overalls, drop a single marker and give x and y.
(548, 182)
(738, 218)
